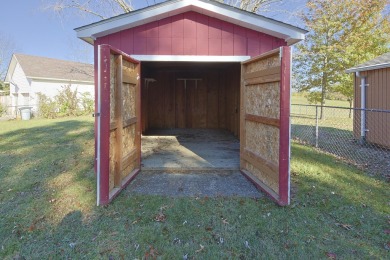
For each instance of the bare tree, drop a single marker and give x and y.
(79, 51)
(250, 5)
(100, 9)
(103, 9)
(7, 48)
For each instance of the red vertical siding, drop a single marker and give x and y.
(177, 26)
(227, 38)
(178, 48)
(140, 36)
(127, 41)
(192, 33)
(240, 41)
(202, 35)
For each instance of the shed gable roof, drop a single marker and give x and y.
(289, 33)
(380, 62)
(36, 67)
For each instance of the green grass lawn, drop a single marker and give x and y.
(47, 208)
(299, 98)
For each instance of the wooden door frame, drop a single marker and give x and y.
(104, 196)
(282, 197)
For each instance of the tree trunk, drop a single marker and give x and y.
(323, 93)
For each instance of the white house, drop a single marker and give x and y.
(29, 75)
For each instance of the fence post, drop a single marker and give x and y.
(316, 126)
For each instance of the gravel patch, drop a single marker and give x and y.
(193, 184)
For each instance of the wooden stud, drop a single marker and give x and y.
(263, 73)
(138, 115)
(118, 120)
(242, 118)
(129, 77)
(263, 120)
(261, 163)
(262, 80)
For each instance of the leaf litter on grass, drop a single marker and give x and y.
(104, 234)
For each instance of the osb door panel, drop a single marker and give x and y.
(119, 138)
(265, 123)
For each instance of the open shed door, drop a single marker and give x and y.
(265, 122)
(118, 130)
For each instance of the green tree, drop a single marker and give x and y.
(342, 34)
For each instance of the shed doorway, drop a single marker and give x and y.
(190, 115)
(256, 107)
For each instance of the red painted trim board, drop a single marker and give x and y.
(284, 144)
(104, 123)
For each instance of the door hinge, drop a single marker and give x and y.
(95, 114)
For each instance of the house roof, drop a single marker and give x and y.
(36, 67)
(380, 62)
(291, 34)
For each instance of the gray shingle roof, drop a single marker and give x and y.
(380, 62)
(48, 68)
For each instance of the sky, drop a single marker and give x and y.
(40, 32)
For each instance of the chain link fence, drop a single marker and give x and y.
(358, 136)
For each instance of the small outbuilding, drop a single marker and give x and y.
(372, 100)
(193, 64)
(29, 75)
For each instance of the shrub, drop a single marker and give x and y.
(67, 101)
(87, 103)
(47, 108)
(3, 109)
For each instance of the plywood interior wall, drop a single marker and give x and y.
(191, 95)
(260, 121)
(124, 143)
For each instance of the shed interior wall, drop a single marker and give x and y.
(190, 95)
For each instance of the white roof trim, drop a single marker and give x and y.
(372, 67)
(11, 68)
(190, 58)
(213, 9)
(59, 80)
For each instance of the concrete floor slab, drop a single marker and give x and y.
(191, 162)
(195, 149)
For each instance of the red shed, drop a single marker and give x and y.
(192, 64)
